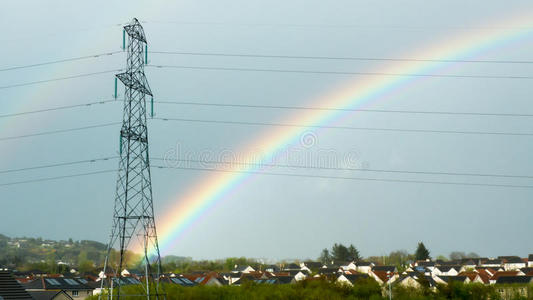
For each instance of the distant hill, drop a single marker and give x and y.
(18, 251)
(175, 259)
(25, 253)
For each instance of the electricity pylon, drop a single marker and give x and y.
(133, 215)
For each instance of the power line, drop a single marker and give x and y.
(61, 164)
(262, 173)
(58, 164)
(345, 127)
(341, 57)
(351, 178)
(322, 26)
(237, 105)
(340, 72)
(271, 124)
(60, 61)
(342, 109)
(57, 108)
(344, 169)
(58, 131)
(56, 177)
(58, 79)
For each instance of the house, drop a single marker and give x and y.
(272, 280)
(528, 271)
(328, 271)
(383, 277)
(359, 266)
(311, 266)
(50, 295)
(469, 264)
(446, 270)
(242, 269)
(285, 279)
(350, 279)
(232, 277)
(475, 277)
(499, 274)
(73, 287)
(391, 269)
(298, 275)
(419, 270)
(490, 270)
(10, 288)
(512, 262)
(530, 261)
(415, 280)
(292, 266)
(272, 268)
(443, 279)
(511, 286)
(209, 279)
(492, 263)
(183, 281)
(427, 264)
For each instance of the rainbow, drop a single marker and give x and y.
(34, 97)
(194, 203)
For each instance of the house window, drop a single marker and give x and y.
(75, 293)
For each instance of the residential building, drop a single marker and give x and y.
(242, 269)
(50, 295)
(73, 287)
(499, 274)
(10, 288)
(446, 270)
(350, 279)
(511, 286)
(512, 262)
(443, 279)
(492, 263)
(311, 266)
(360, 266)
(383, 277)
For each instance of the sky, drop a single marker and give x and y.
(274, 217)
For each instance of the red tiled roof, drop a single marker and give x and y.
(484, 275)
(502, 274)
(382, 275)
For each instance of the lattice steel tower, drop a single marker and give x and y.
(133, 217)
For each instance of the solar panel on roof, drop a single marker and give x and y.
(52, 281)
(199, 279)
(187, 280)
(84, 281)
(132, 280)
(71, 281)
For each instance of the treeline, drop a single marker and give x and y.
(398, 258)
(220, 265)
(365, 288)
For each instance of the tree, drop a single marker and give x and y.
(325, 257)
(353, 253)
(339, 252)
(422, 253)
(457, 255)
(399, 258)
